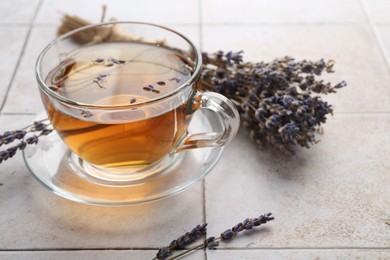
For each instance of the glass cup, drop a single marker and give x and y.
(122, 97)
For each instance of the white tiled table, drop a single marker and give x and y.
(330, 202)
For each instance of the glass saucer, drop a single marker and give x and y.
(51, 163)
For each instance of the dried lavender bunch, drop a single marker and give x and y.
(278, 101)
(40, 128)
(211, 242)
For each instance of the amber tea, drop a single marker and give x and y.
(119, 74)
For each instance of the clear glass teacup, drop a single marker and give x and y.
(122, 95)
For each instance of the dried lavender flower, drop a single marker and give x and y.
(40, 128)
(182, 241)
(279, 101)
(211, 242)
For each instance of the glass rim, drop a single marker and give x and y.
(43, 86)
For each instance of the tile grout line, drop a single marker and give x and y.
(219, 248)
(200, 24)
(21, 55)
(377, 36)
(200, 31)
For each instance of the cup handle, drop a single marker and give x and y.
(229, 119)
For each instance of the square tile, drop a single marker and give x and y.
(384, 36)
(24, 96)
(10, 49)
(354, 48)
(282, 11)
(162, 12)
(17, 11)
(334, 194)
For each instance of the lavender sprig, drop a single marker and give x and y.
(211, 242)
(40, 128)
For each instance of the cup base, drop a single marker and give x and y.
(123, 175)
(64, 173)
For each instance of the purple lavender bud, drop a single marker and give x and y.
(238, 228)
(32, 140)
(194, 232)
(117, 61)
(181, 242)
(38, 126)
(8, 139)
(12, 151)
(247, 224)
(173, 244)
(46, 131)
(211, 243)
(148, 88)
(287, 100)
(202, 228)
(256, 222)
(163, 253)
(273, 121)
(19, 134)
(236, 57)
(227, 234)
(177, 79)
(4, 155)
(99, 60)
(8, 133)
(22, 145)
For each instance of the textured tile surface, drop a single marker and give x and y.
(24, 95)
(162, 12)
(282, 11)
(331, 201)
(378, 10)
(17, 11)
(334, 195)
(12, 39)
